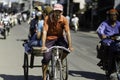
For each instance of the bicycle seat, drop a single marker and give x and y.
(37, 51)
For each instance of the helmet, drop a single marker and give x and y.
(112, 11)
(58, 7)
(47, 10)
(74, 15)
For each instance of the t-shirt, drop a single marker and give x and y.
(75, 20)
(40, 25)
(55, 29)
(106, 29)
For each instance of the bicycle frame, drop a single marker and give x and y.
(56, 64)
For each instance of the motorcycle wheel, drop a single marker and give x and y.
(5, 34)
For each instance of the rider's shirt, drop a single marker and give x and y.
(40, 25)
(75, 20)
(106, 29)
(56, 29)
(6, 20)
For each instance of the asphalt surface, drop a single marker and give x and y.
(82, 61)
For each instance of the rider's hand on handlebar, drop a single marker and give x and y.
(113, 38)
(104, 36)
(71, 48)
(43, 48)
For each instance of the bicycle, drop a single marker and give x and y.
(57, 69)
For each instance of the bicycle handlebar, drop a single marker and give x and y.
(58, 47)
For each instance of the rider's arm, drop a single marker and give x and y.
(101, 31)
(45, 28)
(39, 29)
(68, 35)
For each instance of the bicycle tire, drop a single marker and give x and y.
(48, 75)
(25, 66)
(5, 33)
(49, 71)
(57, 72)
(65, 69)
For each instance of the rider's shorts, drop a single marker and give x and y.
(59, 42)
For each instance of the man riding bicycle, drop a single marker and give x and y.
(107, 28)
(55, 24)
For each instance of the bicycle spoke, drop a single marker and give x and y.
(49, 71)
(58, 71)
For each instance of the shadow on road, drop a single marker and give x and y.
(89, 75)
(18, 77)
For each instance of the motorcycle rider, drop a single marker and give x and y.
(106, 29)
(75, 22)
(6, 21)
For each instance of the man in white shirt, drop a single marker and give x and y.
(75, 22)
(6, 22)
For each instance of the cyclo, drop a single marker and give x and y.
(57, 70)
(111, 58)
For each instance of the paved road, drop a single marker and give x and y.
(82, 61)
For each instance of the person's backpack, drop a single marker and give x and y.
(33, 26)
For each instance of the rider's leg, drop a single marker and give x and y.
(102, 54)
(45, 61)
(63, 56)
(44, 70)
(46, 58)
(111, 61)
(76, 27)
(98, 48)
(99, 54)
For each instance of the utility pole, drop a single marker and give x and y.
(68, 3)
(31, 3)
(50, 3)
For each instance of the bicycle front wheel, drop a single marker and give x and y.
(57, 72)
(49, 71)
(65, 69)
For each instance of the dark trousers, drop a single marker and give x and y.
(58, 42)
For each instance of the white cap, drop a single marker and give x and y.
(6, 14)
(74, 15)
(58, 7)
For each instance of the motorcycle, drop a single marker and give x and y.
(111, 66)
(7, 27)
(3, 31)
